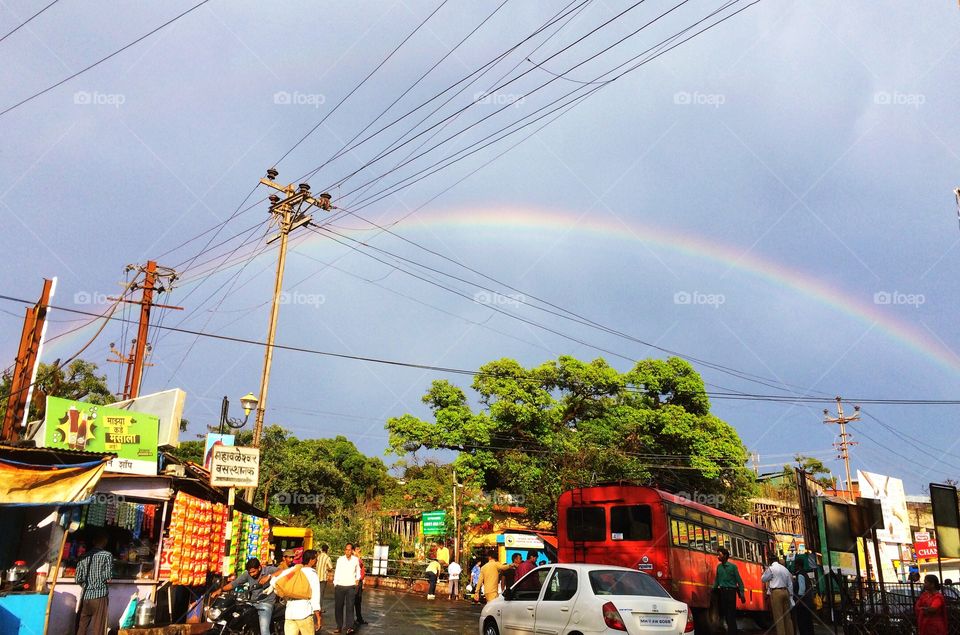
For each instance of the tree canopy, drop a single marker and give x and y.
(539, 431)
(78, 380)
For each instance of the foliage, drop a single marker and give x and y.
(566, 423)
(78, 381)
(814, 468)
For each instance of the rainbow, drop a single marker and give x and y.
(530, 220)
(514, 220)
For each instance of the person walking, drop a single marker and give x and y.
(474, 589)
(453, 573)
(346, 577)
(259, 578)
(433, 572)
(302, 615)
(324, 566)
(779, 586)
(490, 578)
(931, 608)
(510, 576)
(358, 598)
(729, 585)
(93, 572)
(804, 604)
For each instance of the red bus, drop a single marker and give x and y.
(669, 537)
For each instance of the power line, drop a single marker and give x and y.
(362, 82)
(27, 21)
(103, 59)
(460, 371)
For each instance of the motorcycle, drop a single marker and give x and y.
(235, 613)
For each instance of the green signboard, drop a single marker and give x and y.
(132, 436)
(435, 523)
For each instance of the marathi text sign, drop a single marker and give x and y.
(235, 467)
(924, 545)
(132, 436)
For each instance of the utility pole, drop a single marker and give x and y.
(136, 359)
(290, 214)
(26, 364)
(844, 444)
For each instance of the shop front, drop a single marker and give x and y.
(40, 493)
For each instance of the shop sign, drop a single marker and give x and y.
(435, 523)
(132, 436)
(925, 545)
(522, 541)
(235, 467)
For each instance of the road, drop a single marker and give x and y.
(396, 613)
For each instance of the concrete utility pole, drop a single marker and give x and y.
(844, 444)
(289, 212)
(139, 348)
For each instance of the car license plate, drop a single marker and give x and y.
(656, 620)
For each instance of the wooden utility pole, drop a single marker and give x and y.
(136, 359)
(844, 444)
(26, 365)
(290, 214)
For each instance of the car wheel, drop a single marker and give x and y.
(490, 627)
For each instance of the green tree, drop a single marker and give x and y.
(78, 381)
(815, 469)
(567, 423)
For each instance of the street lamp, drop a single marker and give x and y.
(248, 402)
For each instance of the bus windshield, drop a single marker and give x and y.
(614, 582)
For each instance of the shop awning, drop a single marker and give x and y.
(27, 484)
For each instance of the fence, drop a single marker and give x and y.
(873, 609)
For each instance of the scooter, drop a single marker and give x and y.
(234, 613)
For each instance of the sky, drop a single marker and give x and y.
(773, 196)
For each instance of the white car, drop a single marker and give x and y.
(577, 599)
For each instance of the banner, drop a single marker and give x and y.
(132, 436)
(946, 518)
(924, 545)
(893, 502)
(235, 467)
(215, 441)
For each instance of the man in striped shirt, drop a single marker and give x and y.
(93, 571)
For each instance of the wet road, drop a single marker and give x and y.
(396, 613)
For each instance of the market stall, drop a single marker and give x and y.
(166, 534)
(40, 492)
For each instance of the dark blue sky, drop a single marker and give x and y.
(774, 196)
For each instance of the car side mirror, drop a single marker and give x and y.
(507, 594)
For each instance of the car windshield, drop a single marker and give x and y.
(615, 582)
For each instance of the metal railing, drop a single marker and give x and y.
(890, 609)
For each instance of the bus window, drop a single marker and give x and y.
(675, 532)
(586, 524)
(632, 522)
(691, 536)
(684, 535)
(698, 538)
(738, 548)
(712, 541)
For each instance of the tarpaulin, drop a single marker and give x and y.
(22, 484)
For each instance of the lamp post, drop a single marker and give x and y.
(456, 521)
(248, 402)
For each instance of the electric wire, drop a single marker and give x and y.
(27, 21)
(103, 59)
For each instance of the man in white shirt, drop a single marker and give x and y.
(302, 617)
(346, 577)
(453, 572)
(780, 586)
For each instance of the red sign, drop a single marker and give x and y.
(166, 558)
(925, 545)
